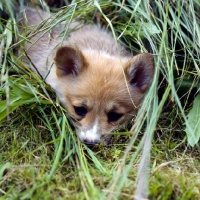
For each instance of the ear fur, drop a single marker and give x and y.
(69, 61)
(139, 71)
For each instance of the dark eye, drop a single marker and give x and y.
(81, 111)
(114, 116)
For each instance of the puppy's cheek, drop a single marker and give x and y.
(106, 139)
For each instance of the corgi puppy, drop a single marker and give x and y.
(98, 82)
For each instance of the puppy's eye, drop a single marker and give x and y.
(81, 111)
(114, 116)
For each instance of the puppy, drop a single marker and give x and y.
(99, 83)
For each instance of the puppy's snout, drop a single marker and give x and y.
(91, 142)
(91, 134)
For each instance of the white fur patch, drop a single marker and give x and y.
(91, 134)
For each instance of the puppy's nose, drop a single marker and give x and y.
(91, 142)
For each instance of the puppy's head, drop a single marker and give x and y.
(100, 91)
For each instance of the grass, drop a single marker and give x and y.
(40, 154)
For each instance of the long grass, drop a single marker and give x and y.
(40, 154)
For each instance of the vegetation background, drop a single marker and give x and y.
(157, 156)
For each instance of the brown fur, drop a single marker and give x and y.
(92, 72)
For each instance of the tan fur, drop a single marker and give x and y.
(90, 70)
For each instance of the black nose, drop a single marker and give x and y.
(91, 142)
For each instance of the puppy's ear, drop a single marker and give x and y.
(69, 61)
(139, 71)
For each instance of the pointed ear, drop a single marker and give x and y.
(139, 71)
(69, 61)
